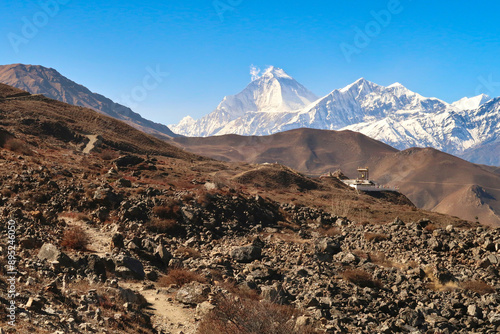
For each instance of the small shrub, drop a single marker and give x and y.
(170, 210)
(480, 287)
(188, 252)
(246, 316)
(430, 227)
(376, 237)
(330, 232)
(109, 155)
(18, 146)
(162, 225)
(75, 238)
(361, 278)
(180, 277)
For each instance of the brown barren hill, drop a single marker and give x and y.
(438, 181)
(37, 79)
(40, 117)
(432, 180)
(310, 151)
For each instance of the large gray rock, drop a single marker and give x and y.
(126, 265)
(97, 265)
(193, 293)
(105, 196)
(162, 254)
(128, 296)
(326, 248)
(246, 254)
(51, 253)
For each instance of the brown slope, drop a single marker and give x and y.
(9, 91)
(38, 116)
(431, 179)
(438, 181)
(49, 82)
(310, 151)
(488, 154)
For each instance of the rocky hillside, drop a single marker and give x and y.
(433, 180)
(124, 239)
(49, 82)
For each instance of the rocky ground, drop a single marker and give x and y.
(159, 260)
(114, 241)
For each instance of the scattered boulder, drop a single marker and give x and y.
(127, 266)
(246, 254)
(193, 293)
(51, 253)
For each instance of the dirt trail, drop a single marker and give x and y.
(91, 144)
(168, 314)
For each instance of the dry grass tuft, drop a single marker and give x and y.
(18, 146)
(375, 237)
(479, 287)
(180, 277)
(75, 238)
(361, 278)
(159, 225)
(188, 252)
(246, 316)
(242, 292)
(108, 154)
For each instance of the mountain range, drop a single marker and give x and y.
(37, 79)
(395, 115)
(432, 180)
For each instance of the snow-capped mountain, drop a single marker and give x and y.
(394, 114)
(469, 103)
(273, 92)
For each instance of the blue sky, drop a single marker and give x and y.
(436, 48)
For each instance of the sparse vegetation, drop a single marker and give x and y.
(376, 237)
(159, 225)
(18, 146)
(361, 278)
(480, 287)
(247, 316)
(75, 238)
(180, 277)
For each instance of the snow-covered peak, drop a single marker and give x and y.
(396, 85)
(355, 85)
(469, 103)
(272, 93)
(186, 121)
(275, 72)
